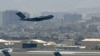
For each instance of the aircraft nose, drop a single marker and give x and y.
(51, 16)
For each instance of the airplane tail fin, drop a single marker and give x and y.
(5, 52)
(21, 15)
(57, 53)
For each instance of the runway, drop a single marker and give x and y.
(50, 53)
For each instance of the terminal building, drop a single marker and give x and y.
(36, 44)
(22, 45)
(91, 43)
(69, 42)
(69, 45)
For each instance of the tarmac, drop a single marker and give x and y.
(51, 53)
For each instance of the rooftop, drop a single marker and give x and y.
(38, 41)
(2, 40)
(91, 39)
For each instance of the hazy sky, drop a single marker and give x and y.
(33, 6)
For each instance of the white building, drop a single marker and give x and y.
(91, 43)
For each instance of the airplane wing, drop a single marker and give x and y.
(57, 53)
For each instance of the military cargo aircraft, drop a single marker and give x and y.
(41, 18)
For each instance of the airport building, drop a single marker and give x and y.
(69, 48)
(22, 45)
(91, 43)
(3, 43)
(8, 43)
(69, 42)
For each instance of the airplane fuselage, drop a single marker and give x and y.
(39, 18)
